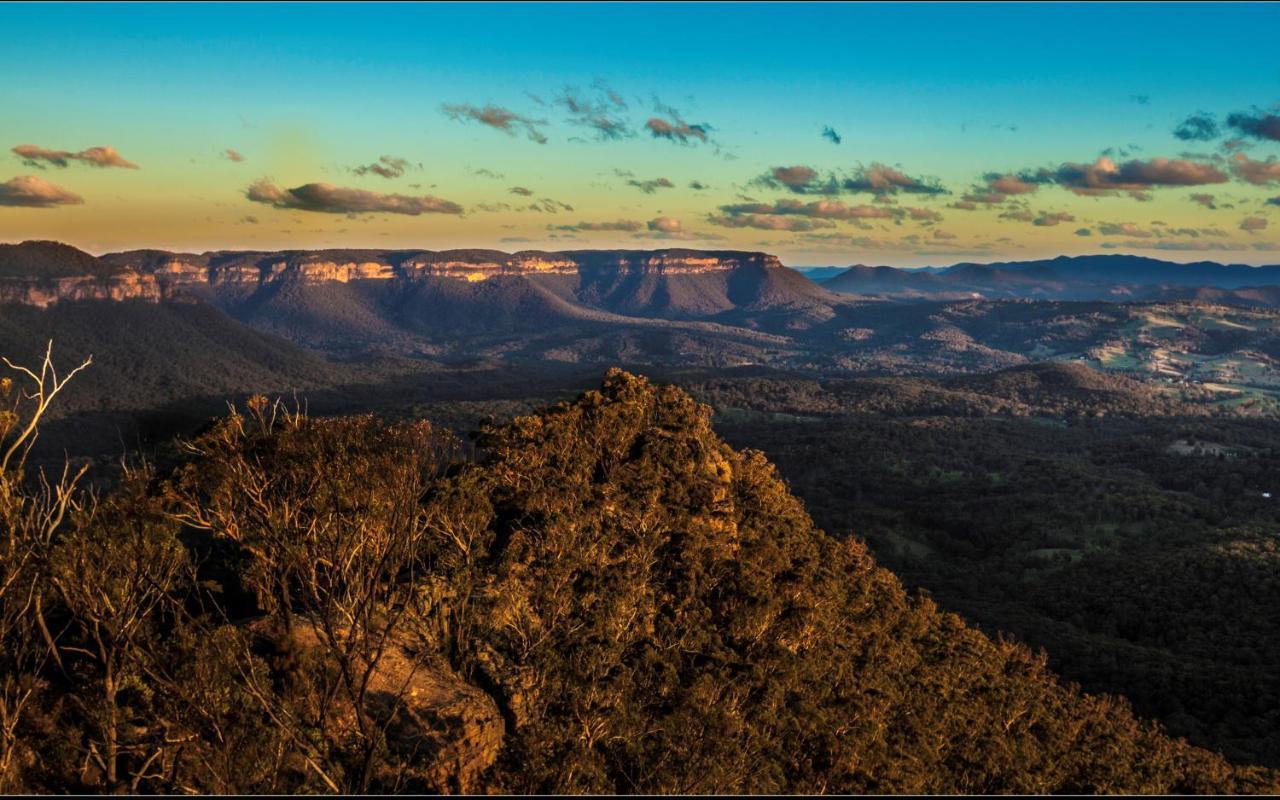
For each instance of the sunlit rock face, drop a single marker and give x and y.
(43, 273)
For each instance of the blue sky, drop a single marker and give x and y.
(943, 93)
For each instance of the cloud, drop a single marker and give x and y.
(672, 127)
(821, 209)
(924, 214)
(548, 206)
(882, 179)
(1274, 201)
(520, 190)
(1253, 224)
(249, 219)
(1169, 245)
(767, 222)
(1105, 177)
(1004, 184)
(879, 179)
(496, 117)
(1083, 232)
(1140, 99)
(28, 191)
(1124, 229)
(796, 177)
(386, 166)
(1199, 127)
(1260, 173)
(1205, 200)
(232, 155)
(829, 133)
(665, 224)
(38, 157)
(329, 199)
(1018, 215)
(1257, 125)
(652, 185)
(671, 228)
(698, 186)
(600, 113)
(625, 225)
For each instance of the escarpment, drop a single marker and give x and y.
(44, 273)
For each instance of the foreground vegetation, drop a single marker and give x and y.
(608, 599)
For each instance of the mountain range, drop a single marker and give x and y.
(1095, 277)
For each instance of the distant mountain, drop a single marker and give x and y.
(1099, 277)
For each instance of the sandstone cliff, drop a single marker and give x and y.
(44, 273)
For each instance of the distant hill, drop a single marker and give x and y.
(1098, 277)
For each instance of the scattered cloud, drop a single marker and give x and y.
(821, 209)
(670, 125)
(829, 133)
(498, 118)
(768, 222)
(623, 225)
(29, 191)
(599, 113)
(520, 190)
(1199, 127)
(231, 154)
(1083, 232)
(1256, 125)
(41, 157)
(878, 179)
(698, 186)
(1260, 173)
(386, 166)
(1106, 177)
(652, 185)
(548, 206)
(1253, 224)
(671, 228)
(1124, 229)
(330, 199)
(1205, 200)
(1140, 99)
(1274, 201)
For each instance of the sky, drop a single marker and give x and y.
(828, 134)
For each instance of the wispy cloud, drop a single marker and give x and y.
(671, 125)
(829, 133)
(497, 117)
(622, 225)
(386, 166)
(601, 113)
(41, 157)
(651, 185)
(231, 154)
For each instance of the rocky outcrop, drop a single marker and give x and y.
(36, 273)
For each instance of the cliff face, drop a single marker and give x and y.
(41, 273)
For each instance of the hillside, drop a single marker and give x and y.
(611, 600)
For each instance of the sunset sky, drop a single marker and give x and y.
(828, 134)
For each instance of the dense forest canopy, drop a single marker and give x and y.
(608, 598)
